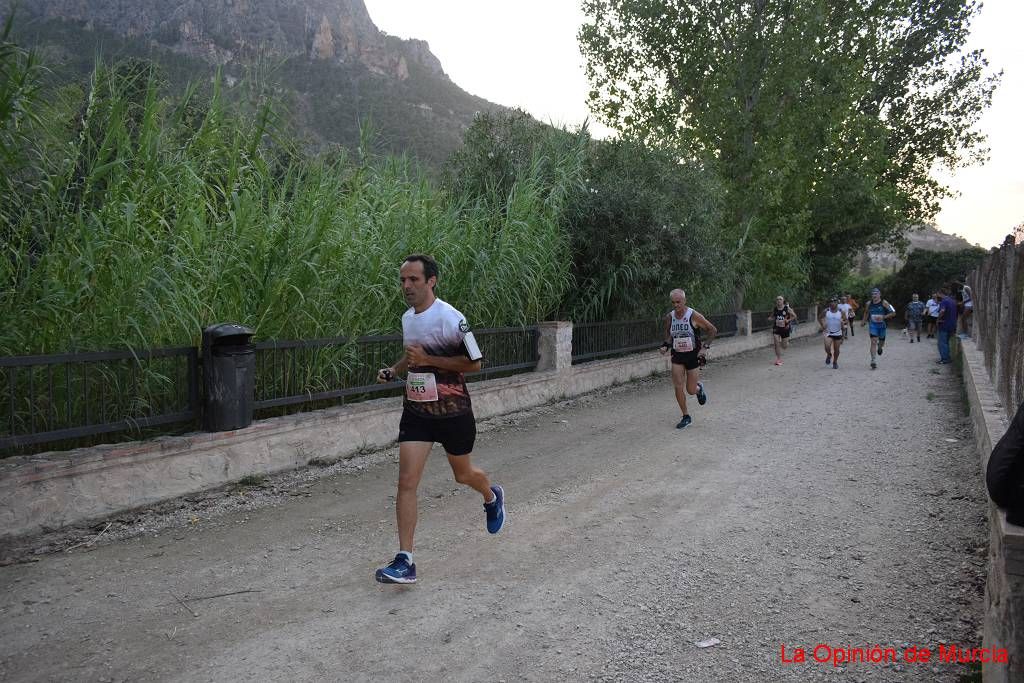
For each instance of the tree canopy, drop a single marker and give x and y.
(824, 120)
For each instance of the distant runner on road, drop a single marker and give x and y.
(853, 311)
(439, 349)
(931, 314)
(915, 317)
(847, 310)
(877, 312)
(781, 319)
(683, 339)
(833, 324)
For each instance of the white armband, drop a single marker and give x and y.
(471, 347)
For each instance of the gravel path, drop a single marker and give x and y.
(804, 506)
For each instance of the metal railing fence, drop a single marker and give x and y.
(66, 396)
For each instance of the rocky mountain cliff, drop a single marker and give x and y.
(342, 67)
(224, 31)
(926, 237)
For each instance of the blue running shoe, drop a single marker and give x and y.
(496, 510)
(702, 397)
(399, 571)
(684, 422)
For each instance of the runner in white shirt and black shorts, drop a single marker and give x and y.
(439, 349)
(683, 327)
(833, 323)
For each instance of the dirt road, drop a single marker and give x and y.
(804, 506)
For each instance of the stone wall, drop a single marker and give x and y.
(998, 286)
(1004, 590)
(51, 490)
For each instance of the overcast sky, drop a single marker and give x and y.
(524, 54)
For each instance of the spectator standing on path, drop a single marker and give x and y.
(1004, 475)
(439, 349)
(966, 309)
(781, 319)
(914, 314)
(931, 314)
(682, 337)
(945, 324)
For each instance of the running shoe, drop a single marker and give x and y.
(911, 341)
(702, 397)
(945, 362)
(399, 571)
(873, 365)
(778, 361)
(835, 366)
(879, 349)
(495, 510)
(828, 359)
(684, 422)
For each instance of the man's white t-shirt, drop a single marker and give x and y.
(442, 331)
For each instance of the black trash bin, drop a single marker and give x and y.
(229, 370)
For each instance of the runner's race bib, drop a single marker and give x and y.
(877, 318)
(682, 344)
(421, 387)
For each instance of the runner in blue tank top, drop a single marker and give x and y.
(876, 313)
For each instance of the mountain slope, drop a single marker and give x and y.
(329, 60)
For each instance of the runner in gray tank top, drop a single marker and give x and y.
(683, 327)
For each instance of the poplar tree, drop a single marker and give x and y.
(824, 120)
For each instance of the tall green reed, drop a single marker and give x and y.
(164, 214)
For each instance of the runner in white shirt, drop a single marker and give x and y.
(833, 322)
(847, 310)
(439, 349)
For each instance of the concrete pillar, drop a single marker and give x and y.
(743, 324)
(555, 346)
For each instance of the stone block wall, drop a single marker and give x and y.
(1004, 589)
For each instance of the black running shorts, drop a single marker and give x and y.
(687, 360)
(455, 434)
(782, 332)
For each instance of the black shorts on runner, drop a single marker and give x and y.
(687, 360)
(455, 434)
(782, 332)
(835, 336)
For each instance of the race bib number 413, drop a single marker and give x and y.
(421, 387)
(877, 318)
